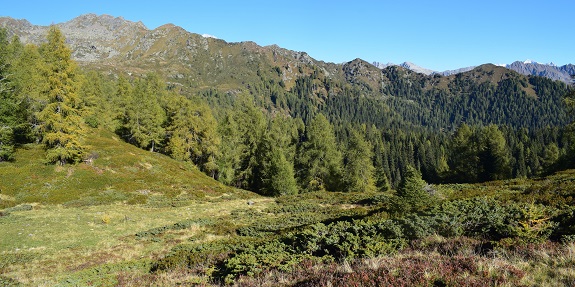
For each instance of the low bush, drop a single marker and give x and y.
(21, 207)
(156, 231)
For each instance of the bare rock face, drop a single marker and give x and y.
(90, 36)
(100, 37)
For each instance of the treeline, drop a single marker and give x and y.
(321, 134)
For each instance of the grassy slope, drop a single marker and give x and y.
(86, 216)
(121, 172)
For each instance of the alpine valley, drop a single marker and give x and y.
(138, 157)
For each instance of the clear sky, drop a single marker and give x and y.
(437, 34)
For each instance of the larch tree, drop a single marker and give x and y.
(8, 103)
(277, 173)
(359, 170)
(192, 133)
(145, 116)
(320, 159)
(241, 134)
(464, 162)
(61, 126)
(29, 85)
(231, 149)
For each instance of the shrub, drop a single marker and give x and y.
(21, 207)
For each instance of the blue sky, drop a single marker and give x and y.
(438, 34)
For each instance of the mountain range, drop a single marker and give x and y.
(294, 84)
(565, 73)
(113, 43)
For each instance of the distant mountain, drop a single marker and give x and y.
(569, 69)
(382, 65)
(551, 71)
(91, 37)
(416, 68)
(407, 65)
(564, 73)
(457, 71)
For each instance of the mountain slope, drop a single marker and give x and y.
(487, 94)
(117, 45)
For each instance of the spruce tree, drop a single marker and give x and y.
(61, 126)
(411, 191)
(494, 155)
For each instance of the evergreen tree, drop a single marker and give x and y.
(60, 121)
(242, 131)
(570, 99)
(411, 192)
(521, 167)
(359, 170)
(464, 160)
(320, 159)
(494, 155)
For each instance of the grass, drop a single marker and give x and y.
(51, 244)
(119, 173)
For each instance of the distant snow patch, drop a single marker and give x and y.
(209, 36)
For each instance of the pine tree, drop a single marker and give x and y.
(60, 122)
(359, 170)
